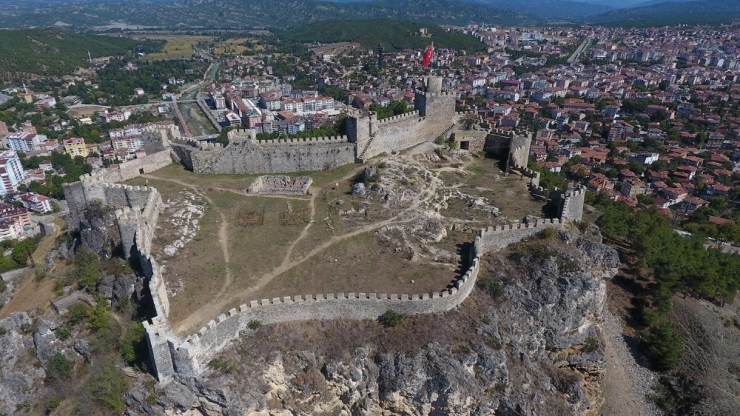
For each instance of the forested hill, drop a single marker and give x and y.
(709, 12)
(244, 14)
(392, 34)
(56, 52)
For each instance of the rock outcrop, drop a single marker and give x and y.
(527, 341)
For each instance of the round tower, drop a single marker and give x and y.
(434, 85)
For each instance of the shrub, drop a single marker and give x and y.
(133, 344)
(222, 365)
(590, 345)
(3, 285)
(78, 313)
(107, 388)
(546, 234)
(53, 403)
(391, 318)
(64, 332)
(3, 331)
(60, 368)
(87, 268)
(254, 325)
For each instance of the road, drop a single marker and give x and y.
(581, 48)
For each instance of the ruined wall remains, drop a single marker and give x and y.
(280, 185)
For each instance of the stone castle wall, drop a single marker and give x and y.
(367, 136)
(248, 156)
(137, 215)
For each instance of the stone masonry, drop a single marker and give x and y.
(434, 116)
(137, 214)
(138, 208)
(280, 185)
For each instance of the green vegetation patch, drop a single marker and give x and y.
(56, 52)
(392, 34)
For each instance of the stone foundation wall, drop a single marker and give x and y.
(280, 185)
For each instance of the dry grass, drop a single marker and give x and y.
(34, 293)
(510, 194)
(176, 46)
(353, 266)
(78, 112)
(235, 46)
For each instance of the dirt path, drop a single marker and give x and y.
(33, 293)
(214, 308)
(223, 236)
(626, 384)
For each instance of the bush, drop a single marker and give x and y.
(78, 313)
(391, 318)
(546, 234)
(254, 325)
(60, 368)
(133, 344)
(590, 345)
(87, 268)
(222, 365)
(107, 388)
(64, 332)
(3, 331)
(3, 285)
(53, 403)
(664, 346)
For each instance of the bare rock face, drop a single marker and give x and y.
(527, 341)
(99, 232)
(19, 378)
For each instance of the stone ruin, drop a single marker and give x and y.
(280, 185)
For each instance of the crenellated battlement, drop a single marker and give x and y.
(306, 140)
(401, 117)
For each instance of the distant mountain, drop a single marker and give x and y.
(217, 14)
(549, 9)
(673, 13)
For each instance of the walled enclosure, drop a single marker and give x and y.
(138, 208)
(137, 214)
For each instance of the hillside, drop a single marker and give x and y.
(55, 52)
(550, 9)
(211, 14)
(672, 13)
(393, 34)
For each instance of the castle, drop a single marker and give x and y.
(137, 211)
(433, 116)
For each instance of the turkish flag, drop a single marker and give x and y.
(428, 56)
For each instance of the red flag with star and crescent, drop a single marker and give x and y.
(428, 56)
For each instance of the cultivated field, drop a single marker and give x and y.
(235, 46)
(222, 247)
(176, 46)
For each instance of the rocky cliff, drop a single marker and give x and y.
(527, 341)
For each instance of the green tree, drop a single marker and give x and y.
(664, 346)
